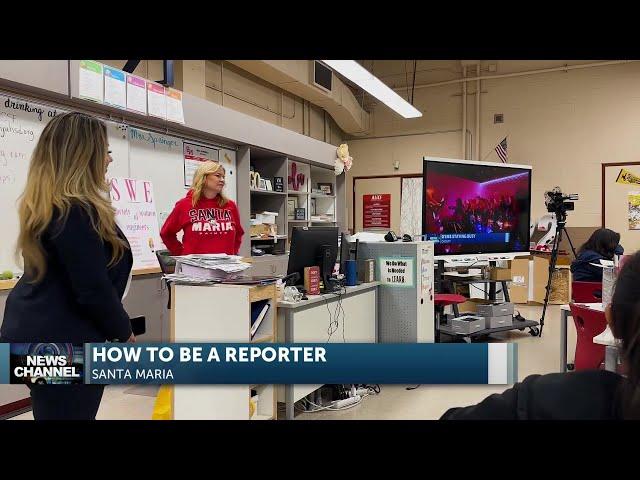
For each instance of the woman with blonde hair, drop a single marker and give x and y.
(77, 262)
(210, 222)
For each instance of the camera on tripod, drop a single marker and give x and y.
(558, 203)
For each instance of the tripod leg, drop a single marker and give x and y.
(552, 268)
(573, 249)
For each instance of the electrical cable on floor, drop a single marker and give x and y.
(372, 390)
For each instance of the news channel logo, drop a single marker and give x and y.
(46, 363)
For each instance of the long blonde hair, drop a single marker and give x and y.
(68, 166)
(200, 178)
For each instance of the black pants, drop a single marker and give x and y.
(65, 402)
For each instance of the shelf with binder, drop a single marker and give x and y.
(195, 318)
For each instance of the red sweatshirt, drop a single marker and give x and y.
(208, 228)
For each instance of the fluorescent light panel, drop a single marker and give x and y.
(371, 84)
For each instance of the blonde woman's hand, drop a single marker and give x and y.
(132, 339)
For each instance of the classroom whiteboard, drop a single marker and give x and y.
(119, 146)
(21, 123)
(136, 153)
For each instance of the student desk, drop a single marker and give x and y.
(310, 321)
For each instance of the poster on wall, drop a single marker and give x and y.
(194, 155)
(136, 216)
(376, 210)
(634, 210)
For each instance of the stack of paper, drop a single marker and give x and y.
(217, 267)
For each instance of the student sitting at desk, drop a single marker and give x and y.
(209, 220)
(583, 395)
(602, 245)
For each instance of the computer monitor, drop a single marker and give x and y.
(311, 246)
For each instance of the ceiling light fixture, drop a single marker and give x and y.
(359, 75)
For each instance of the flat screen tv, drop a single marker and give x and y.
(474, 208)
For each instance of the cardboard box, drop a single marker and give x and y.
(495, 309)
(467, 324)
(496, 273)
(498, 321)
(519, 286)
(367, 270)
(560, 284)
(471, 305)
(263, 230)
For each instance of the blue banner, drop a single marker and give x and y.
(247, 363)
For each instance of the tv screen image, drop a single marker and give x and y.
(475, 207)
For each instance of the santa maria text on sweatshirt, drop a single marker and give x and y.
(207, 227)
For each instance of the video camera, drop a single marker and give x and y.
(557, 203)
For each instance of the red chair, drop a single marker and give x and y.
(589, 324)
(442, 300)
(586, 292)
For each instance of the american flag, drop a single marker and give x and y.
(501, 150)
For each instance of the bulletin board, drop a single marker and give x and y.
(620, 205)
(406, 200)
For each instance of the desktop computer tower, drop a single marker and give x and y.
(405, 296)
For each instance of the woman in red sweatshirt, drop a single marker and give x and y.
(209, 220)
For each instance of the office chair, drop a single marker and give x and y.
(167, 264)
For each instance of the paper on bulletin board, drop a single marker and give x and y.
(625, 176)
(396, 271)
(115, 87)
(136, 216)
(426, 270)
(634, 210)
(156, 100)
(91, 82)
(136, 94)
(194, 155)
(175, 112)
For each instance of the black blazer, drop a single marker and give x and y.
(583, 395)
(79, 298)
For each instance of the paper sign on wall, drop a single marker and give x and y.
(194, 155)
(156, 100)
(136, 94)
(376, 211)
(396, 271)
(174, 105)
(634, 210)
(136, 216)
(115, 87)
(91, 81)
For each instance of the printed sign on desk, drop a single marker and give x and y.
(136, 217)
(397, 271)
(376, 210)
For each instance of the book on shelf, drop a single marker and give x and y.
(258, 313)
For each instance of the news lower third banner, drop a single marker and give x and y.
(240, 363)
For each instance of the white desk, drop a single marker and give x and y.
(308, 321)
(605, 338)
